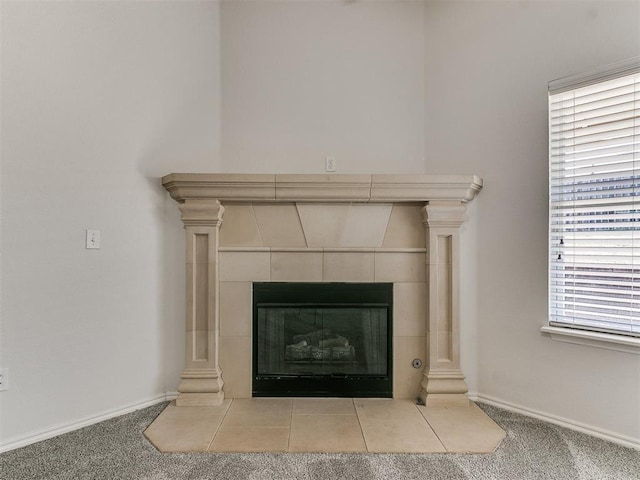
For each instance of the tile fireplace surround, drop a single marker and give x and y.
(402, 229)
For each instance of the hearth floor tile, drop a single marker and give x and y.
(326, 433)
(259, 412)
(324, 425)
(186, 429)
(464, 429)
(395, 426)
(326, 406)
(250, 439)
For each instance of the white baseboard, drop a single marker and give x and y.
(171, 395)
(563, 422)
(47, 433)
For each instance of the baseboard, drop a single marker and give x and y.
(171, 395)
(45, 434)
(563, 422)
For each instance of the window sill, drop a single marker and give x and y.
(608, 341)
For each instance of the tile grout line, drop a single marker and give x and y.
(433, 430)
(290, 426)
(364, 438)
(219, 426)
(325, 414)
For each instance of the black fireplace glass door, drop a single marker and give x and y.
(322, 339)
(308, 340)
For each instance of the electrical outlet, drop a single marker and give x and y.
(93, 239)
(4, 379)
(330, 164)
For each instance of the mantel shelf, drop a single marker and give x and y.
(322, 187)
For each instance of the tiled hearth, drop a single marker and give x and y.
(400, 229)
(324, 425)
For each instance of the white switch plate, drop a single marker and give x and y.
(330, 164)
(93, 239)
(4, 379)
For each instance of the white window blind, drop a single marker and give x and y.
(594, 202)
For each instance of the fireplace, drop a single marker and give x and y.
(322, 339)
(246, 230)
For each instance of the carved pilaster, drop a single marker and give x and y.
(443, 382)
(201, 383)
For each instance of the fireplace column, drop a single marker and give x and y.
(201, 383)
(443, 382)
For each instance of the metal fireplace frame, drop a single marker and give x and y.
(323, 295)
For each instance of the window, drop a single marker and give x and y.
(594, 201)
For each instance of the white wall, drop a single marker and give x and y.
(99, 99)
(487, 68)
(304, 80)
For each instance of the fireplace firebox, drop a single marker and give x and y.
(322, 339)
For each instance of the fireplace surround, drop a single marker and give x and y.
(399, 229)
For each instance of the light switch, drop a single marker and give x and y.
(93, 239)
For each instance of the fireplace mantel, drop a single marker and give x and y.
(242, 228)
(322, 188)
